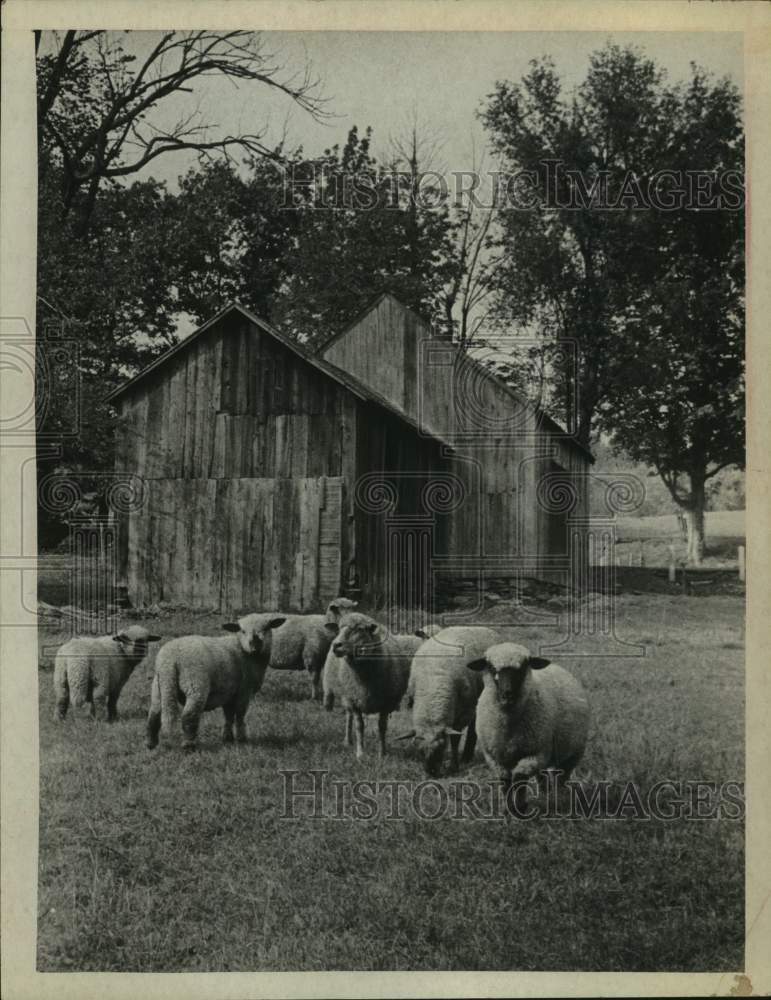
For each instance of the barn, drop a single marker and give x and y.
(387, 466)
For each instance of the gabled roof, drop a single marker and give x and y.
(350, 382)
(542, 416)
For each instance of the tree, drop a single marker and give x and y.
(363, 229)
(650, 295)
(565, 262)
(677, 401)
(96, 103)
(233, 239)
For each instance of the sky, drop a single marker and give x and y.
(389, 79)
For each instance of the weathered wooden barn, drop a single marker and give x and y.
(385, 465)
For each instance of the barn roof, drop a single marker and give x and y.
(344, 378)
(545, 419)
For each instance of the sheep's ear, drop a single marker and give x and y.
(480, 664)
(538, 662)
(276, 622)
(231, 627)
(154, 638)
(421, 633)
(332, 627)
(120, 637)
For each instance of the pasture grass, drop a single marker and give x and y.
(164, 861)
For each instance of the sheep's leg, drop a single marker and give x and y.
(153, 716)
(63, 698)
(191, 717)
(359, 734)
(382, 729)
(469, 746)
(241, 707)
(99, 703)
(229, 711)
(454, 745)
(112, 708)
(316, 691)
(241, 736)
(348, 738)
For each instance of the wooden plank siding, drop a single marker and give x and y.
(242, 445)
(501, 450)
(237, 544)
(252, 454)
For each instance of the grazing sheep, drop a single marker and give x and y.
(92, 671)
(369, 673)
(532, 714)
(207, 672)
(302, 642)
(443, 693)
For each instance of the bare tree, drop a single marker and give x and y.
(94, 102)
(470, 285)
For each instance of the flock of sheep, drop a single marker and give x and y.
(528, 714)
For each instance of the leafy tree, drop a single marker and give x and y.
(363, 229)
(234, 239)
(650, 294)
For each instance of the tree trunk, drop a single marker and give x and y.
(694, 519)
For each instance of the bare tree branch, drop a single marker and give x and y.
(119, 139)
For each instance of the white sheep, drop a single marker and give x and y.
(532, 715)
(302, 642)
(368, 670)
(208, 672)
(93, 670)
(443, 692)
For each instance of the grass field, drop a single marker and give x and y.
(169, 862)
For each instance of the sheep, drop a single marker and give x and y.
(532, 715)
(208, 672)
(443, 694)
(302, 642)
(369, 672)
(330, 665)
(93, 670)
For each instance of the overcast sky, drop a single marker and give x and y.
(385, 79)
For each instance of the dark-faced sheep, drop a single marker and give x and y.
(532, 714)
(368, 670)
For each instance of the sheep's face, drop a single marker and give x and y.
(433, 752)
(254, 632)
(354, 639)
(507, 666)
(134, 641)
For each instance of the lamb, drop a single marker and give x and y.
(532, 714)
(443, 693)
(208, 672)
(93, 670)
(302, 642)
(369, 673)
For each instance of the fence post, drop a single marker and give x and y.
(672, 568)
(742, 568)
